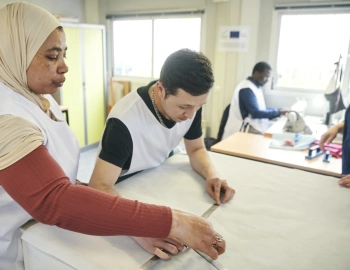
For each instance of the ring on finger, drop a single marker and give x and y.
(217, 239)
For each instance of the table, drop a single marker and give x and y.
(280, 218)
(256, 147)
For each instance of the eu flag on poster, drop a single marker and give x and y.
(234, 34)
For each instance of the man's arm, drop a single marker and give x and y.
(104, 176)
(249, 105)
(201, 163)
(116, 149)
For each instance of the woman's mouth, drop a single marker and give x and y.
(59, 83)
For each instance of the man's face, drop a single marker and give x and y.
(182, 106)
(263, 77)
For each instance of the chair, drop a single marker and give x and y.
(223, 122)
(209, 142)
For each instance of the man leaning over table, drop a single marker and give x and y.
(145, 126)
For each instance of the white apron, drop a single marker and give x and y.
(235, 122)
(62, 146)
(152, 142)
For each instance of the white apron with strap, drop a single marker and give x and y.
(62, 146)
(152, 142)
(235, 122)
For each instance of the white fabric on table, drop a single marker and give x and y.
(280, 218)
(303, 141)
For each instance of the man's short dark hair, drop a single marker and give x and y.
(188, 70)
(261, 67)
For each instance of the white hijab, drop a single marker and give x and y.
(23, 29)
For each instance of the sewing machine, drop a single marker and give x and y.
(296, 124)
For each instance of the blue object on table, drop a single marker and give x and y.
(296, 137)
(314, 151)
(327, 156)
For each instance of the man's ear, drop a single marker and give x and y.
(160, 90)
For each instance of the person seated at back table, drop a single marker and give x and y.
(144, 127)
(329, 136)
(248, 112)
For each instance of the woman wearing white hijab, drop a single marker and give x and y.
(39, 153)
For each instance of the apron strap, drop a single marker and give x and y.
(244, 127)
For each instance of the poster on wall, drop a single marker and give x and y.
(234, 38)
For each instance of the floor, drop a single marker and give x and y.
(86, 164)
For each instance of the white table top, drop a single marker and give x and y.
(280, 218)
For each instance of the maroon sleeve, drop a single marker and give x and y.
(40, 186)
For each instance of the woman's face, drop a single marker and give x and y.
(45, 73)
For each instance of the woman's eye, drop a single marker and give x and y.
(52, 58)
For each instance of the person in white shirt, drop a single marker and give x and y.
(146, 125)
(248, 112)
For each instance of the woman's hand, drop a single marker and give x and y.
(197, 233)
(329, 135)
(345, 180)
(160, 247)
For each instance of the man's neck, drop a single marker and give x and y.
(254, 81)
(156, 98)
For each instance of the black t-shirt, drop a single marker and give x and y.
(117, 144)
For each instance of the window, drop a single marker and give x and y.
(308, 47)
(140, 46)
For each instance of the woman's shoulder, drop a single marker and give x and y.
(9, 122)
(19, 138)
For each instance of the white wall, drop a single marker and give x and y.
(229, 68)
(216, 15)
(74, 8)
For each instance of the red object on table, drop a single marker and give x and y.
(333, 148)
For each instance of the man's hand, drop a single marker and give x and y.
(345, 180)
(216, 186)
(158, 246)
(197, 232)
(329, 135)
(283, 111)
